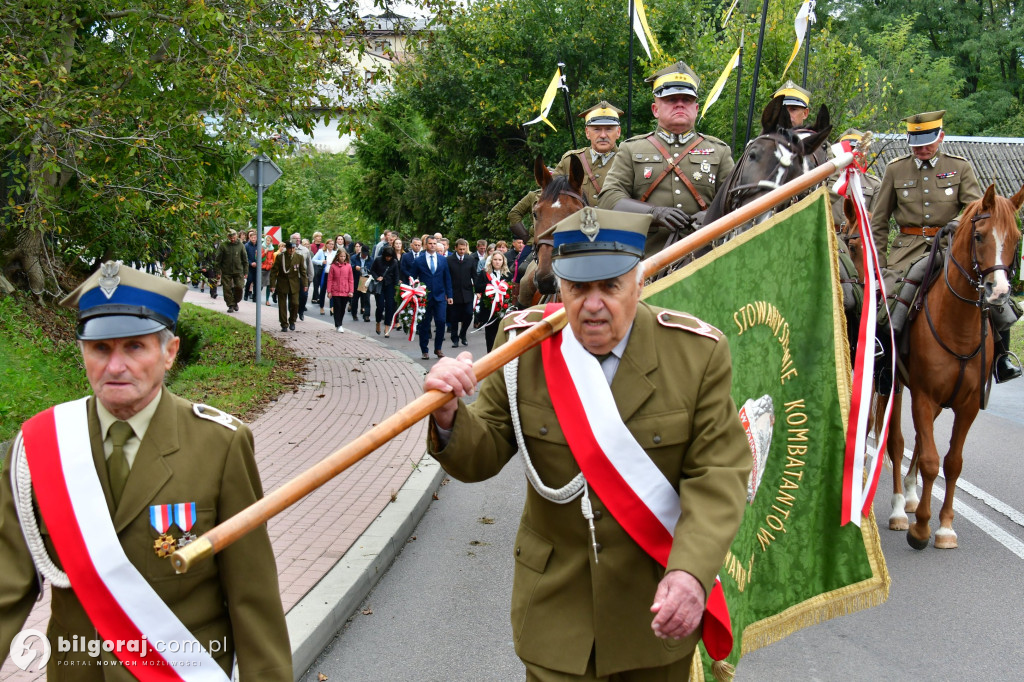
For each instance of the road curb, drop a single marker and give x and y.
(321, 613)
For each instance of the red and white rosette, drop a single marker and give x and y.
(415, 293)
(497, 290)
(858, 492)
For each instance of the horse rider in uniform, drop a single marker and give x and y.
(797, 101)
(584, 587)
(523, 208)
(869, 186)
(603, 131)
(922, 192)
(674, 172)
(95, 495)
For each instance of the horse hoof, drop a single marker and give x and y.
(945, 538)
(911, 505)
(899, 522)
(915, 543)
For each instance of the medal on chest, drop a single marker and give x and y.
(185, 518)
(160, 517)
(648, 171)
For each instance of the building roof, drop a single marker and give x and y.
(995, 159)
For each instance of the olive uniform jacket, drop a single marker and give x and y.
(639, 163)
(592, 170)
(672, 389)
(231, 259)
(523, 207)
(232, 598)
(288, 276)
(930, 196)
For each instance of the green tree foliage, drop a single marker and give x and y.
(123, 123)
(449, 152)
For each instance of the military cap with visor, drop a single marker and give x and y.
(601, 114)
(118, 302)
(923, 129)
(793, 95)
(594, 244)
(678, 79)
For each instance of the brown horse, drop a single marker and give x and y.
(949, 363)
(560, 197)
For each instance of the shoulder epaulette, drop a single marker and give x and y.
(955, 156)
(901, 158)
(689, 323)
(214, 415)
(712, 138)
(573, 151)
(641, 136)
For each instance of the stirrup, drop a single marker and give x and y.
(1015, 367)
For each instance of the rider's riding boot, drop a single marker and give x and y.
(883, 365)
(1004, 367)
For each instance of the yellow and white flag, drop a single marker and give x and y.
(549, 97)
(643, 30)
(728, 13)
(804, 17)
(722, 80)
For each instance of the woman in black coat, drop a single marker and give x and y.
(384, 271)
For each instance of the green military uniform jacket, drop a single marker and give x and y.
(672, 389)
(639, 163)
(598, 170)
(234, 597)
(231, 259)
(523, 208)
(919, 197)
(288, 276)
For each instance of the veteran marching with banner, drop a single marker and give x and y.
(97, 493)
(627, 410)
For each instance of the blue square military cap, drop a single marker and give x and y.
(118, 302)
(594, 244)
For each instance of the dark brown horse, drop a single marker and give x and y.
(560, 197)
(778, 155)
(949, 362)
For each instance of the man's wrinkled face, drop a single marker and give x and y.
(603, 138)
(296, 239)
(126, 374)
(797, 115)
(927, 151)
(600, 313)
(517, 244)
(675, 113)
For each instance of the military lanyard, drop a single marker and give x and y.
(673, 165)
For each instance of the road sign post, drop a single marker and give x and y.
(261, 172)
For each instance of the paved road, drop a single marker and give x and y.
(441, 613)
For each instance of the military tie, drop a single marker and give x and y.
(117, 463)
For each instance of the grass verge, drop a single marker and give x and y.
(40, 364)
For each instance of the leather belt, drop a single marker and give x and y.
(920, 231)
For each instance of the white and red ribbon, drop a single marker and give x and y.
(497, 289)
(414, 292)
(630, 484)
(858, 492)
(119, 601)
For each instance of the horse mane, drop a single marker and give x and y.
(1004, 216)
(558, 185)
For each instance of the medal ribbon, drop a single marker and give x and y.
(857, 496)
(416, 293)
(185, 515)
(160, 517)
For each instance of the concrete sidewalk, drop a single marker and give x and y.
(333, 545)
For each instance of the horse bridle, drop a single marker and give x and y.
(785, 162)
(566, 193)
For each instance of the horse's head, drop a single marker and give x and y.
(780, 154)
(991, 242)
(560, 197)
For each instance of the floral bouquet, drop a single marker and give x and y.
(495, 298)
(412, 305)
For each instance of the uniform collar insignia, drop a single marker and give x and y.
(108, 278)
(589, 225)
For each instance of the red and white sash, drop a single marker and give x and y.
(116, 597)
(635, 491)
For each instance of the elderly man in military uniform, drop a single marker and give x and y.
(105, 488)
(797, 101)
(233, 264)
(287, 279)
(587, 583)
(603, 131)
(673, 172)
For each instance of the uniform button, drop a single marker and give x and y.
(598, 548)
(595, 196)
(679, 205)
(675, 154)
(927, 216)
(543, 430)
(679, 191)
(926, 179)
(676, 178)
(926, 191)
(657, 439)
(597, 514)
(518, 550)
(927, 203)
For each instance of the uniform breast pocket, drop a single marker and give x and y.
(662, 434)
(908, 191)
(702, 170)
(645, 170)
(948, 189)
(159, 568)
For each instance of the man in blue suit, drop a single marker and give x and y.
(433, 272)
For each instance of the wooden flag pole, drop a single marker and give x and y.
(255, 515)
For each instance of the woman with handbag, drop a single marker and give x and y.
(384, 281)
(360, 277)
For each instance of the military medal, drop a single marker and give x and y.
(697, 175)
(164, 546)
(949, 191)
(185, 518)
(906, 193)
(705, 167)
(160, 517)
(648, 170)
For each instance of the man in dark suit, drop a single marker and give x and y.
(116, 482)
(460, 311)
(407, 266)
(433, 271)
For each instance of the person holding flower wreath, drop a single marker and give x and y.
(493, 283)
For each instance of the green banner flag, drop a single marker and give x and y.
(774, 292)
